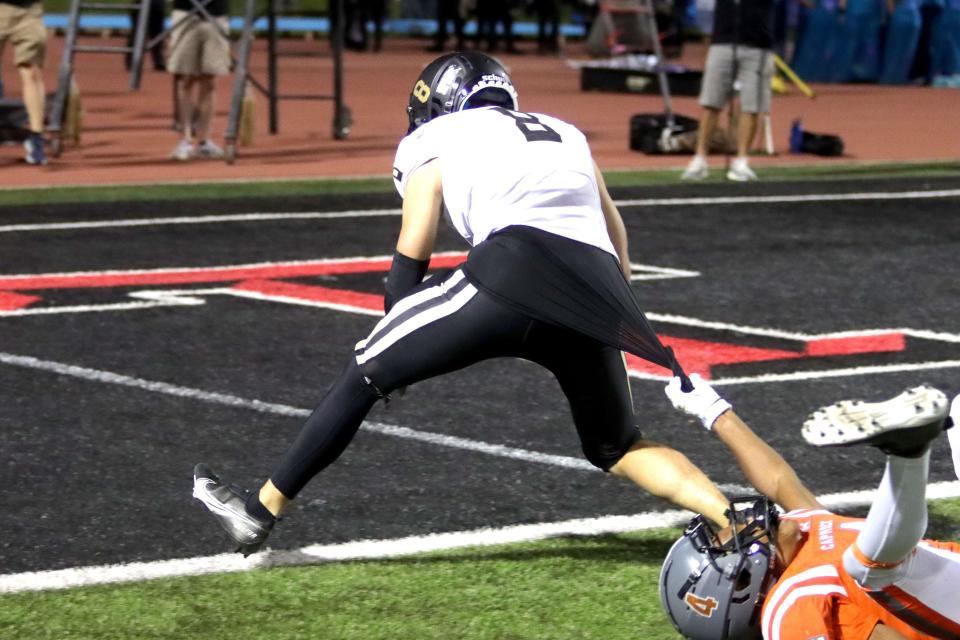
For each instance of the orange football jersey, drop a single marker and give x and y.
(814, 598)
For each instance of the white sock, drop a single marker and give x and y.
(898, 516)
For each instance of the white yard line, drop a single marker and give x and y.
(108, 377)
(366, 213)
(398, 547)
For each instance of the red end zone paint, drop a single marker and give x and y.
(312, 293)
(210, 275)
(856, 344)
(699, 356)
(10, 301)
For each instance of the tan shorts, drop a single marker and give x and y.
(23, 26)
(198, 47)
(749, 67)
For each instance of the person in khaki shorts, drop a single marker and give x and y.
(741, 53)
(199, 51)
(21, 23)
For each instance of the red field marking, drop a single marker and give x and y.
(848, 345)
(270, 281)
(143, 278)
(699, 356)
(10, 301)
(312, 293)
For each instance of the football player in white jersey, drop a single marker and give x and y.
(547, 280)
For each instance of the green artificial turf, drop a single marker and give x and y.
(266, 189)
(576, 588)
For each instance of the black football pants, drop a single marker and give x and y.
(447, 326)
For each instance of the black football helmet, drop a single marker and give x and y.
(714, 590)
(457, 81)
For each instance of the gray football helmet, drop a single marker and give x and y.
(457, 81)
(713, 590)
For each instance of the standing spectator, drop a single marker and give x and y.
(741, 52)
(945, 46)
(922, 70)
(359, 13)
(155, 15)
(548, 25)
(818, 40)
(858, 55)
(199, 51)
(21, 22)
(489, 14)
(448, 10)
(900, 45)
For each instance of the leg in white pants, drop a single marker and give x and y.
(913, 580)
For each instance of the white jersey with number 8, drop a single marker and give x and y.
(501, 168)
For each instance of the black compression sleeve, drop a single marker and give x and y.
(405, 274)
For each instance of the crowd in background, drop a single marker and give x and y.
(886, 41)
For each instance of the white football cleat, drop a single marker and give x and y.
(901, 426)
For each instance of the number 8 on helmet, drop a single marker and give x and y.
(458, 81)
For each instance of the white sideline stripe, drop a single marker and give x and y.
(838, 373)
(797, 335)
(809, 375)
(236, 217)
(453, 442)
(372, 549)
(316, 554)
(214, 269)
(366, 213)
(89, 308)
(811, 197)
(268, 297)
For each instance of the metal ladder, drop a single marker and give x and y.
(71, 48)
(341, 113)
(643, 11)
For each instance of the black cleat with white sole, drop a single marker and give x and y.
(228, 505)
(904, 425)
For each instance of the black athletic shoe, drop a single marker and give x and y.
(227, 503)
(902, 426)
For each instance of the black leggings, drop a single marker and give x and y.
(448, 326)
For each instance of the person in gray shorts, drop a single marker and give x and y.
(199, 51)
(740, 56)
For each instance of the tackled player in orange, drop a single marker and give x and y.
(810, 574)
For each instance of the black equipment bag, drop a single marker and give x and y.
(821, 144)
(646, 130)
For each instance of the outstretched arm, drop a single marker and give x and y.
(422, 206)
(764, 468)
(615, 228)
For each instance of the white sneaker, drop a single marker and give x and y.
(207, 149)
(697, 169)
(740, 171)
(183, 151)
